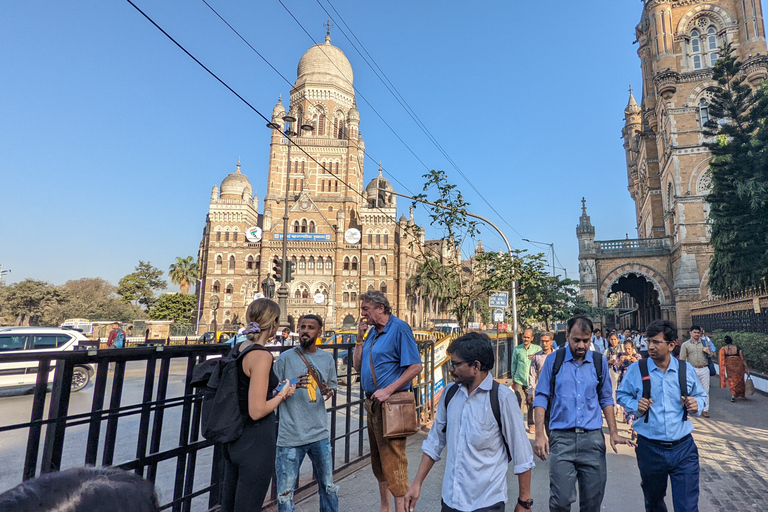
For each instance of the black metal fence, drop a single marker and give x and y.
(158, 437)
(745, 320)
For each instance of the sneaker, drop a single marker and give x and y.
(733, 399)
(705, 414)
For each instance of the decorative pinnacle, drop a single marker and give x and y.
(328, 26)
(238, 165)
(380, 169)
(583, 205)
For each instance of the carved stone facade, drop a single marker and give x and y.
(343, 238)
(666, 159)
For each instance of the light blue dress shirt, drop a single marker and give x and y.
(394, 349)
(665, 422)
(576, 403)
(476, 464)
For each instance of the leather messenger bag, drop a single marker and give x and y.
(398, 412)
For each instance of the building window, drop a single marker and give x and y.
(383, 288)
(320, 263)
(696, 50)
(304, 225)
(321, 125)
(296, 227)
(218, 236)
(312, 227)
(328, 263)
(378, 239)
(712, 45)
(703, 112)
(226, 236)
(345, 297)
(219, 262)
(383, 266)
(297, 295)
(229, 289)
(311, 263)
(353, 296)
(302, 263)
(216, 287)
(293, 264)
(371, 265)
(258, 262)
(386, 239)
(370, 239)
(354, 263)
(346, 262)
(249, 262)
(231, 263)
(234, 237)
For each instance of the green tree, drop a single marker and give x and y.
(139, 288)
(178, 307)
(32, 302)
(183, 272)
(739, 179)
(94, 299)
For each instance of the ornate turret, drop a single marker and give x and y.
(585, 230)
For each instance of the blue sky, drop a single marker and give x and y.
(111, 138)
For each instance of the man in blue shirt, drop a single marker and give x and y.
(576, 445)
(665, 447)
(391, 347)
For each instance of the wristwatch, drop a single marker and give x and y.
(525, 504)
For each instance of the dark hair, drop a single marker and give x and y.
(312, 317)
(695, 328)
(83, 490)
(474, 346)
(286, 329)
(666, 327)
(582, 321)
(378, 298)
(727, 340)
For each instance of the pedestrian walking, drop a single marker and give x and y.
(665, 447)
(521, 367)
(116, 338)
(575, 398)
(479, 446)
(599, 344)
(698, 353)
(733, 369)
(537, 363)
(303, 426)
(388, 360)
(612, 355)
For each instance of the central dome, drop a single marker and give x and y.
(325, 64)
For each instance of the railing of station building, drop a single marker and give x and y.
(159, 437)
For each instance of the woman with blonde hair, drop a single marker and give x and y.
(250, 461)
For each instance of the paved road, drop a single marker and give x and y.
(733, 447)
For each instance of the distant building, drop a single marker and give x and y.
(667, 268)
(344, 237)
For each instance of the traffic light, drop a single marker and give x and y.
(277, 269)
(290, 268)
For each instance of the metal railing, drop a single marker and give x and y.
(164, 425)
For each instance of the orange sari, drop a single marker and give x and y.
(732, 368)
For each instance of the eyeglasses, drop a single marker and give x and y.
(455, 364)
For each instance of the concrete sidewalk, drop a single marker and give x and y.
(733, 448)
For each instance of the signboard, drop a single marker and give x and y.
(319, 298)
(499, 300)
(254, 234)
(352, 236)
(303, 237)
(498, 315)
(473, 326)
(502, 327)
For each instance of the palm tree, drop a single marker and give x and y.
(432, 281)
(184, 273)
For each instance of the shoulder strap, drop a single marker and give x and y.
(559, 359)
(496, 408)
(683, 378)
(370, 354)
(309, 366)
(449, 392)
(597, 360)
(646, 379)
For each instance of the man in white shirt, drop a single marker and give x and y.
(479, 449)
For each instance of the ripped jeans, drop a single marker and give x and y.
(287, 464)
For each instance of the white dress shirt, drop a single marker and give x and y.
(476, 464)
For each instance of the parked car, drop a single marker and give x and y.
(40, 340)
(218, 336)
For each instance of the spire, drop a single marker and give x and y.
(479, 249)
(280, 99)
(238, 165)
(632, 106)
(585, 226)
(328, 26)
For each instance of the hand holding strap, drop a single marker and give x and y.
(324, 388)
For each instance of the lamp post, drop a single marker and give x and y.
(551, 247)
(282, 291)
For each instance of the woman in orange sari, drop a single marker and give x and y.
(735, 365)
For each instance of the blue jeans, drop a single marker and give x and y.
(287, 465)
(680, 463)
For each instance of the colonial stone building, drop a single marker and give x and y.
(663, 271)
(344, 237)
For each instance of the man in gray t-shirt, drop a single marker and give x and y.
(303, 420)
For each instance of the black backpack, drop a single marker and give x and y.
(495, 408)
(597, 359)
(217, 382)
(682, 380)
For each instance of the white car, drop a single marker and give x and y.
(39, 340)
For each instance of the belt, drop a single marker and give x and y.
(368, 395)
(576, 430)
(700, 367)
(664, 444)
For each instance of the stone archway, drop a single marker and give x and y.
(644, 285)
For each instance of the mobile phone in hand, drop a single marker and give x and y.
(292, 382)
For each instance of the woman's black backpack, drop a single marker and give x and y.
(217, 382)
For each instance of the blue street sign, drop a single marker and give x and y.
(499, 300)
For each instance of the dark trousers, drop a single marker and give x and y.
(680, 463)
(576, 458)
(499, 507)
(521, 392)
(248, 466)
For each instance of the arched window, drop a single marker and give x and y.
(302, 263)
(386, 239)
(226, 236)
(229, 289)
(218, 236)
(218, 263)
(378, 239)
(383, 266)
(354, 262)
(311, 263)
(345, 297)
(312, 228)
(370, 287)
(669, 197)
(303, 225)
(297, 295)
(293, 264)
(712, 45)
(320, 263)
(703, 112)
(328, 263)
(383, 287)
(258, 262)
(696, 50)
(346, 262)
(216, 287)
(371, 265)
(231, 263)
(321, 125)
(353, 296)
(296, 227)
(305, 294)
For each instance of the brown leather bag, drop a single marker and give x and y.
(398, 412)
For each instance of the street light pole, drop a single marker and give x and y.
(513, 287)
(282, 291)
(551, 247)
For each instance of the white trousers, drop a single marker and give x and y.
(703, 375)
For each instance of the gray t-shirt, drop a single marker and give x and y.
(301, 421)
